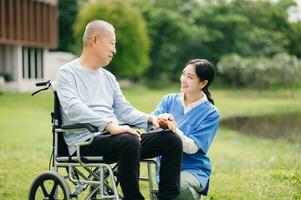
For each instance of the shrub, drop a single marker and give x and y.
(282, 70)
(7, 77)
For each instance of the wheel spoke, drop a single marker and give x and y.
(53, 189)
(44, 190)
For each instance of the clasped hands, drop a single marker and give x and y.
(165, 121)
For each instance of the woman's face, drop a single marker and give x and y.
(190, 82)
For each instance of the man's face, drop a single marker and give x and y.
(105, 47)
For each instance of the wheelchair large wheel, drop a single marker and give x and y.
(51, 186)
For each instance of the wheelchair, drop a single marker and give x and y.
(90, 177)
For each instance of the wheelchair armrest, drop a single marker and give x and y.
(90, 127)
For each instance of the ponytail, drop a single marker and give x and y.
(208, 95)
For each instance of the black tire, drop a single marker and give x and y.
(47, 184)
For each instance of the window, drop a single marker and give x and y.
(32, 63)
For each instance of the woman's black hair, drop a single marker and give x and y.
(205, 71)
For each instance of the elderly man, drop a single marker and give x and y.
(90, 94)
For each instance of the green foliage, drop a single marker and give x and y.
(294, 46)
(240, 27)
(281, 70)
(133, 43)
(67, 13)
(181, 30)
(7, 77)
(168, 31)
(174, 36)
(273, 17)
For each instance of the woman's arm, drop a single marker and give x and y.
(166, 120)
(189, 145)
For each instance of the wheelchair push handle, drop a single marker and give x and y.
(47, 85)
(44, 83)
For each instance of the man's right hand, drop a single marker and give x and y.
(117, 129)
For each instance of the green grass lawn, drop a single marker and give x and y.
(244, 167)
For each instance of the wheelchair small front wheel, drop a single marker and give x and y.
(49, 185)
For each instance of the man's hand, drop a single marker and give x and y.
(116, 129)
(153, 120)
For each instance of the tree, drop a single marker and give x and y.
(185, 29)
(67, 14)
(171, 34)
(273, 17)
(133, 43)
(166, 29)
(294, 46)
(243, 27)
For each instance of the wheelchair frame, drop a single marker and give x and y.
(101, 177)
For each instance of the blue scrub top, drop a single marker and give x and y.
(200, 124)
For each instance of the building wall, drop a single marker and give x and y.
(28, 28)
(28, 23)
(52, 61)
(8, 61)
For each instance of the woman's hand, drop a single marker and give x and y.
(167, 121)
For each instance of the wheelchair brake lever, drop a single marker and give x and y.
(36, 92)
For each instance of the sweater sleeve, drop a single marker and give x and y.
(72, 105)
(125, 112)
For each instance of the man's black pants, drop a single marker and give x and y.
(127, 151)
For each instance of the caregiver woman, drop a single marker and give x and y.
(192, 115)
